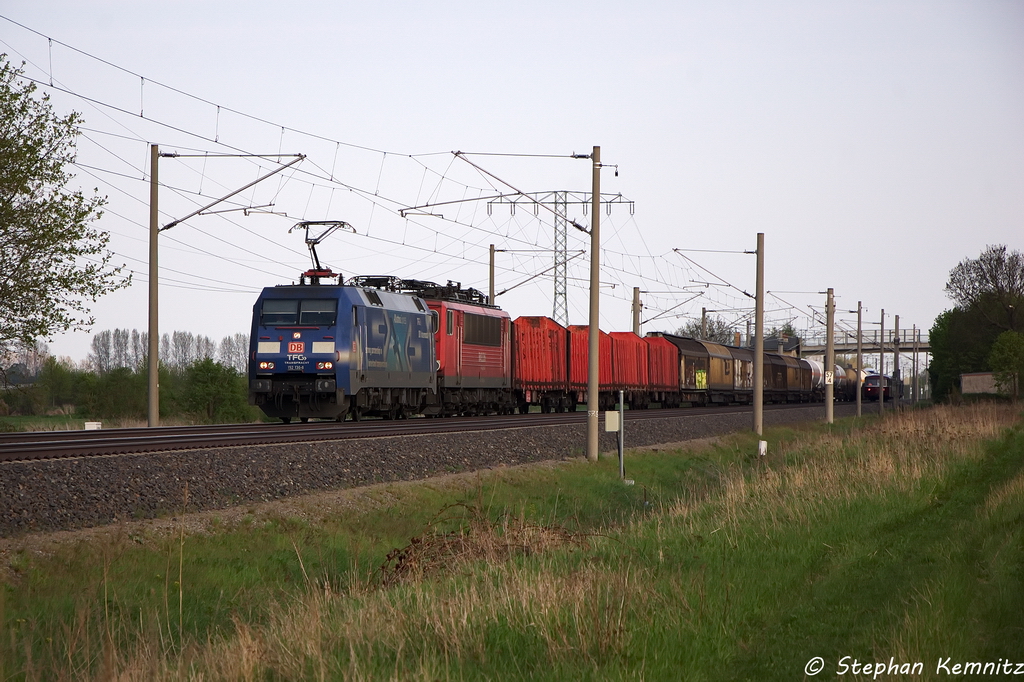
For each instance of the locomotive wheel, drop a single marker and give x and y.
(286, 420)
(304, 420)
(357, 415)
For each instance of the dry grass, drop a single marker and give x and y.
(476, 538)
(892, 456)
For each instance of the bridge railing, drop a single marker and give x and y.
(869, 338)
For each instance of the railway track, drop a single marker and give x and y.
(59, 444)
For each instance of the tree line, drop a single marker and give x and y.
(121, 348)
(984, 331)
(200, 380)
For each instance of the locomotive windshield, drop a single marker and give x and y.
(283, 312)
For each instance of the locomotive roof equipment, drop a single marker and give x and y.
(318, 272)
(452, 291)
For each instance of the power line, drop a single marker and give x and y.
(375, 197)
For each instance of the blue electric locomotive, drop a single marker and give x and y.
(329, 350)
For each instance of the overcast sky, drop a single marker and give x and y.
(876, 144)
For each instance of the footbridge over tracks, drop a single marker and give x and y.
(845, 342)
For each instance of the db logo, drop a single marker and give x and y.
(296, 347)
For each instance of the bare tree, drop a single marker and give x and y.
(119, 356)
(993, 284)
(165, 349)
(101, 357)
(183, 349)
(139, 349)
(205, 348)
(234, 351)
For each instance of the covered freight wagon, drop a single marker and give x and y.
(693, 367)
(775, 369)
(743, 374)
(720, 374)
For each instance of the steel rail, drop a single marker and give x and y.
(58, 444)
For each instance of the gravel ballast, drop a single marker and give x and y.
(83, 492)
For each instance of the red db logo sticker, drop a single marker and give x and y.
(296, 347)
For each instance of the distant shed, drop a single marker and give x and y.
(978, 382)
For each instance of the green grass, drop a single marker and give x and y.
(899, 537)
(41, 423)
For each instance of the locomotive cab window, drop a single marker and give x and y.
(277, 312)
(286, 312)
(318, 311)
(450, 323)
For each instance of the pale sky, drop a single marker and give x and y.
(876, 144)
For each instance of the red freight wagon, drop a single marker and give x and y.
(474, 357)
(540, 364)
(663, 369)
(629, 361)
(579, 357)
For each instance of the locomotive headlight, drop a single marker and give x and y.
(328, 365)
(266, 365)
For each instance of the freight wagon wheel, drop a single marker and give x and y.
(286, 420)
(357, 415)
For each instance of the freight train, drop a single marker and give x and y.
(387, 347)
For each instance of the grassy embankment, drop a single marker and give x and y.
(900, 537)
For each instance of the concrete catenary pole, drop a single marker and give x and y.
(860, 358)
(759, 340)
(897, 380)
(830, 355)
(636, 310)
(703, 323)
(881, 364)
(593, 336)
(154, 326)
(916, 335)
(490, 279)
